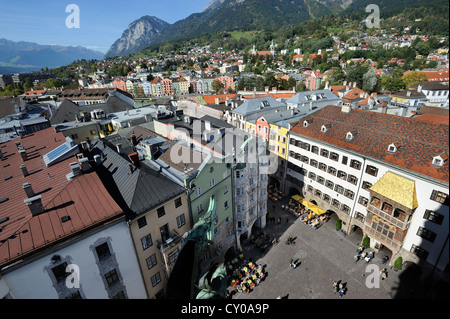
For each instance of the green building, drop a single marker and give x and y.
(213, 177)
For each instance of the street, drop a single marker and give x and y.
(324, 255)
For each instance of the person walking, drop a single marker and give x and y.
(341, 292)
(335, 287)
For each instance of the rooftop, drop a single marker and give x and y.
(421, 140)
(83, 199)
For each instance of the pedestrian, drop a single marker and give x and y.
(287, 220)
(279, 220)
(335, 285)
(341, 292)
(356, 257)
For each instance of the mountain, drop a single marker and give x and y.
(226, 15)
(19, 57)
(138, 35)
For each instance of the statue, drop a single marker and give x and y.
(184, 282)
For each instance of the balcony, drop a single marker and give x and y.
(391, 219)
(172, 241)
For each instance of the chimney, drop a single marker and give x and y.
(119, 148)
(84, 164)
(327, 85)
(346, 108)
(97, 159)
(354, 84)
(216, 101)
(419, 88)
(24, 169)
(28, 190)
(75, 168)
(133, 140)
(35, 205)
(408, 93)
(23, 154)
(345, 83)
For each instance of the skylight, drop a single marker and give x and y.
(60, 153)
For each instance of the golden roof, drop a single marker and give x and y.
(397, 188)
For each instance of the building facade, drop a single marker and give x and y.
(385, 175)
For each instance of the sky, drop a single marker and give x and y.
(101, 21)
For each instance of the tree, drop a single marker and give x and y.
(217, 85)
(369, 81)
(398, 264)
(393, 82)
(338, 225)
(414, 77)
(366, 242)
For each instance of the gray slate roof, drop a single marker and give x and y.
(257, 104)
(143, 189)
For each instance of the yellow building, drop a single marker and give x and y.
(278, 140)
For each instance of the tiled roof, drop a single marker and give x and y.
(83, 199)
(421, 140)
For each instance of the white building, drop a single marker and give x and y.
(384, 174)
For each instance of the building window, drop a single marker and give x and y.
(305, 146)
(348, 193)
(322, 167)
(363, 201)
(329, 184)
(310, 188)
(375, 202)
(318, 193)
(178, 202)
(334, 156)
(366, 185)
(212, 182)
(420, 252)
(60, 272)
(146, 241)
(198, 191)
(314, 163)
(355, 164)
(345, 209)
(225, 189)
(320, 180)
(352, 179)
(312, 175)
(335, 203)
(326, 198)
(103, 251)
(315, 150)
(433, 216)
(161, 211)
(181, 221)
(238, 174)
(119, 295)
(226, 204)
(142, 222)
(156, 279)
(199, 208)
(344, 160)
(426, 234)
(151, 261)
(387, 208)
(342, 175)
(332, 171)
(439, 197)
(371, 170)
(111, 277)
(305, 159)
(324, 153)
(339, 189)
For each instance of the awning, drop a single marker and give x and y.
(314, 208)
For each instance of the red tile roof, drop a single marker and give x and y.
(422, 140)
(84, 199)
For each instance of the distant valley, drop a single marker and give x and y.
(20, 57)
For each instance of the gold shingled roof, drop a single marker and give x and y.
(399, 189)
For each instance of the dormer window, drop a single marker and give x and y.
(306, 123)
(392, 148)
(350, 135)
(325, 128)
(439, 160)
